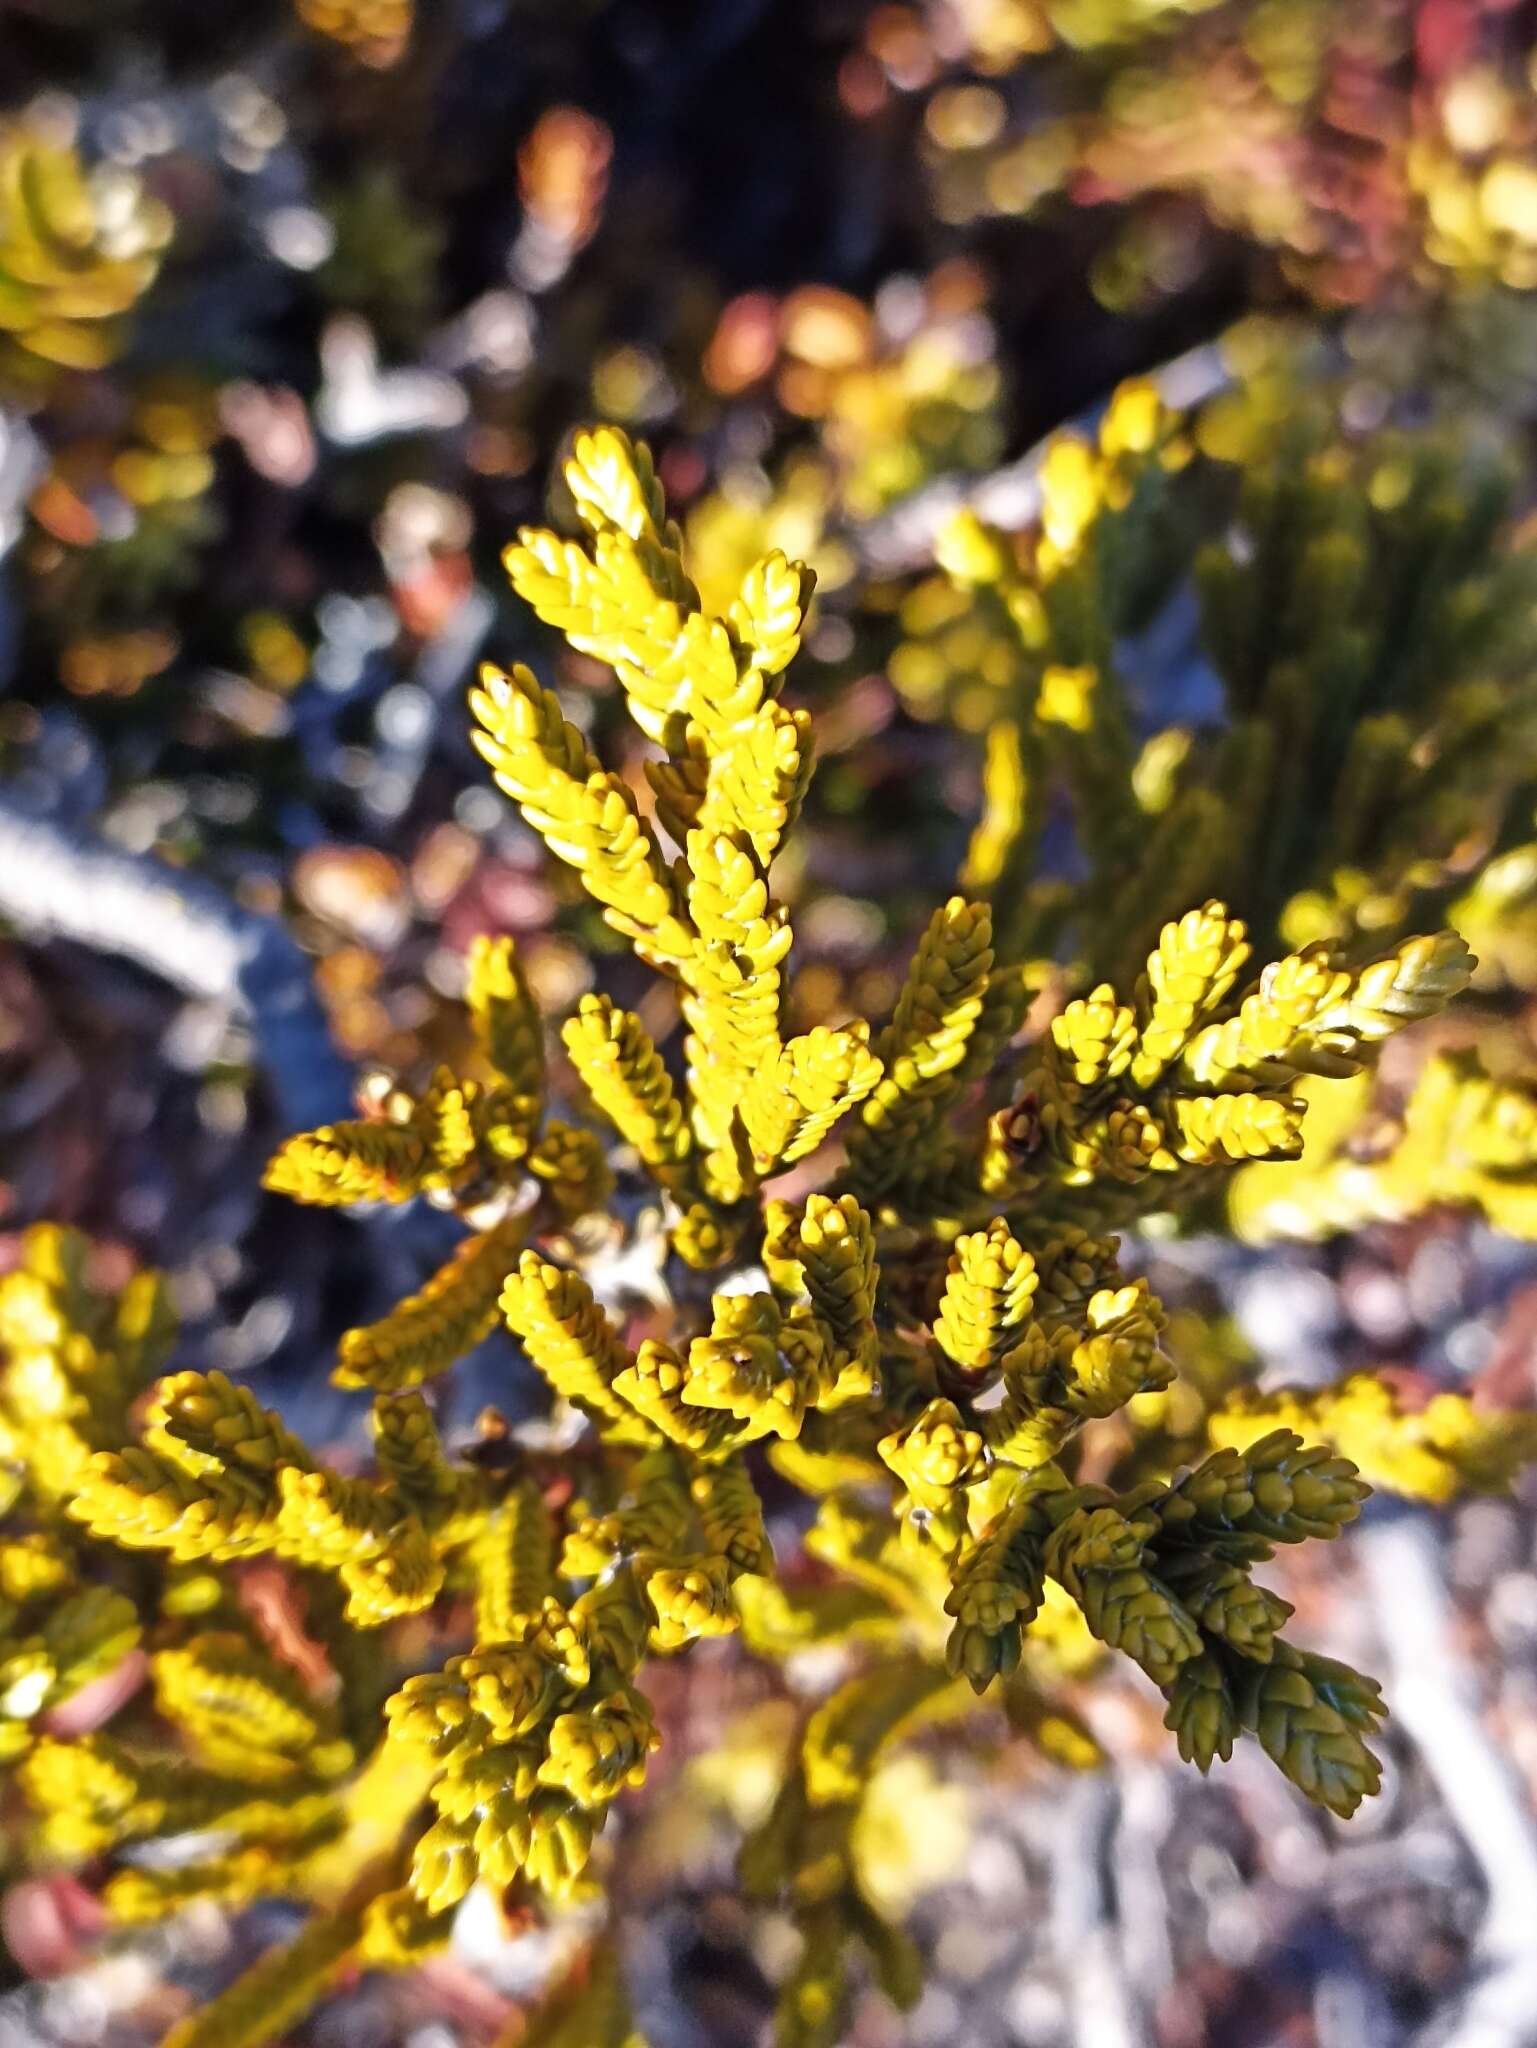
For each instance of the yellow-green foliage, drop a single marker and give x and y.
(1369, 626)
(1463, 1137)
(74, 257)
(1435, 1452)
(915, 1347)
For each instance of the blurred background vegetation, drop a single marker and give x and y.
(298, 311)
